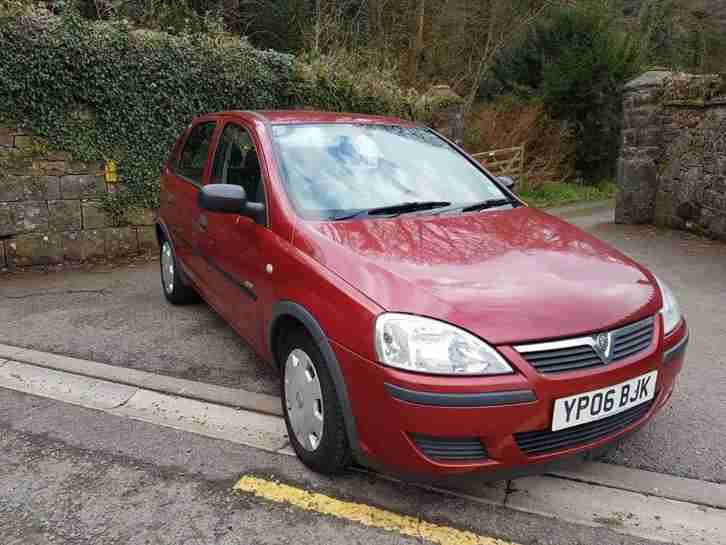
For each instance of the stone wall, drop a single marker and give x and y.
(50, 208)
(672, 166)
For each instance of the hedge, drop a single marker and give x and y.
(103, 90)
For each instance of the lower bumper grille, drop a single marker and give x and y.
(543, 442)
(451, 450)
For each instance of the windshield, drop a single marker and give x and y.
(336, 170)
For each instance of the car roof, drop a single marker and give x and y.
(288, 117)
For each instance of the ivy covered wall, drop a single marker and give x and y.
(76, 94)
(101, 91)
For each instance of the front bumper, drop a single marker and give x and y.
(397, 412)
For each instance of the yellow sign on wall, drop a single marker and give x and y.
(111, 172)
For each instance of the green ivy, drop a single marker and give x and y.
(101, 91)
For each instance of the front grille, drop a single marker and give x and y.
(543, 442)
(580, 353)
(564, 359)
(631, 339)
(448, 449)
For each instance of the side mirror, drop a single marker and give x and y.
(228, 199)
(507, 182)
(224, 198)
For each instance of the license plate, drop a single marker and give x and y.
(598, 404)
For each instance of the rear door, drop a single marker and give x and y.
(189, 174)
(234, 243)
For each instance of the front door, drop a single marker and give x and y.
(234, 243)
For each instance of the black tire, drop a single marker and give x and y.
(175, 291)
(332, 454)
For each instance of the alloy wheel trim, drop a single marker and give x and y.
(167, 267)
(304, 400)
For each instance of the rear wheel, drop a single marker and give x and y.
(176, 292)
(313, 415)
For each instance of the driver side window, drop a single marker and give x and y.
(236, 162)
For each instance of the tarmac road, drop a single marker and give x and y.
(77, 476)
(118, 316)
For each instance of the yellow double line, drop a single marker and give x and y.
(362, 514)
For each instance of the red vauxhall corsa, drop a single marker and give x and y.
(424, 320)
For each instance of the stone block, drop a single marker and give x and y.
(13, 161)
(688, 211)
(630, 138)
(715, 200)
(49, 168)
(121, 242)
(637, 185)
(653, 153)
(34, 249)
(64, 215)
(716, 226)
(7, 220)
(147, 239)
(15, 188)
(671, 171)
(11, 187)
(43, 188)
(688, 189)
(81, 186)
(665, 210)
(80, 167)
(139, 217)
(649, 137)
(3, 263)
(94, 217)
(6, 136)
(23, 217)
(54, 156)
(84, 245)
(29, 143)
(644, 98)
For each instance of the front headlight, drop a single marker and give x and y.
(423, 345)
(671, 311)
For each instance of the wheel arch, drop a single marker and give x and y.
(162, 233)
(289, 313)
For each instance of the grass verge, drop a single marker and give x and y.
(552, 194)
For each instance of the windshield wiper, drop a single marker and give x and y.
(397, 209)
(485, 205)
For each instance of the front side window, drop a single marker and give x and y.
(338, 169)
(236, 162)
(196, 150)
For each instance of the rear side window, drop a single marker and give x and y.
(195, 152)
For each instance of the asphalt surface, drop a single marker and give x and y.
(81, 477)
(687, 437)
(119, 316)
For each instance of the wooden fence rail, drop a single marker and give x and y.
(503, 162)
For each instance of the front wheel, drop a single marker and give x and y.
(176, 292)
(312, 412)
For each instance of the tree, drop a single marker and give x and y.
(231, 15)
(503, 21)
(418, 41)
(578, 61)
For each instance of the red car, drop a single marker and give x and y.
(423, 318)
